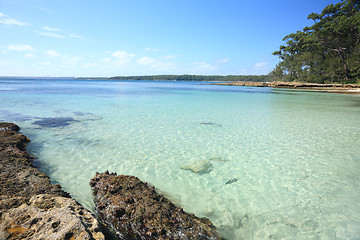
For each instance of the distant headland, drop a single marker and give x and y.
(187, 77)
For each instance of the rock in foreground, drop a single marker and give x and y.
(30, 206)
(135, 211)
(49, 217)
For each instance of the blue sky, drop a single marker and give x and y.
(146, 37)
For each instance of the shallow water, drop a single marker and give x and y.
(280, 164)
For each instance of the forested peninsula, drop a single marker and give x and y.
(216, 78)
(326, 52)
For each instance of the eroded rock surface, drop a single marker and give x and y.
(29, 202)
(18, 177)
(136, 211)
(49, 217)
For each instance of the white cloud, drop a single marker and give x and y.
(169, 57)
(155, 65)
(70, 60)
(260, 65)
(92, 65)
(54, 32)
(4, 62)
(148, 49)
(4, 19)
(53, 53)
(261, 68)
(51, 34)
(203, 66)
(30, 55)
(122, 57)
(146, 61)
(51, 29)
(19, 47)
(63, 60)
(45, 63)
(74, 35)
(224, 60)
(258, 68)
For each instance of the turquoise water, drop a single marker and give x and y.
(291, 158)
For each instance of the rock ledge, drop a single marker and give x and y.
(136, 211)
(30, 206)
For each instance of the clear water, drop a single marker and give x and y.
(293, 157)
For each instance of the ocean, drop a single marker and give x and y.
(260, 163)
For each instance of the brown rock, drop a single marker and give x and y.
(30, 206)
(18, 177)
(136, 211)
(248, 84)
(335, 88)
(4, 126)
(49, 217)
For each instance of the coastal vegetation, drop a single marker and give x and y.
(326, 52)
(219, 78)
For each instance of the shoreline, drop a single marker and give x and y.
(319, 87)
(30, 206)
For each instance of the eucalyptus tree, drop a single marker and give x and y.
(326, 51)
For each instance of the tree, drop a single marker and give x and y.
(332, 43)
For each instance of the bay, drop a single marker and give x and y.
(279, 163)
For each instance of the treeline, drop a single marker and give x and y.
(326, 52)
(216, 78)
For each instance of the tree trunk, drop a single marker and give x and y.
(344, 63)
(346, 71)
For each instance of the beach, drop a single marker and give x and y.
(331, 88)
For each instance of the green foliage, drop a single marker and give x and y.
(216, 78)
(328, 51)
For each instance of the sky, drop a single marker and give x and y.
(92, 38)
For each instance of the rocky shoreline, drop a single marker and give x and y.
(30, 206)
(136, 211)
(334, 88)
(33, 208)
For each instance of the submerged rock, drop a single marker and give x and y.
(57, 122)
(86, 116)
(211, 124)
(136, 211)
(232, 181)
(203, 166)
(219, 159)
(30, 206)
(208, 123)
(54, 122)
(14, 116)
